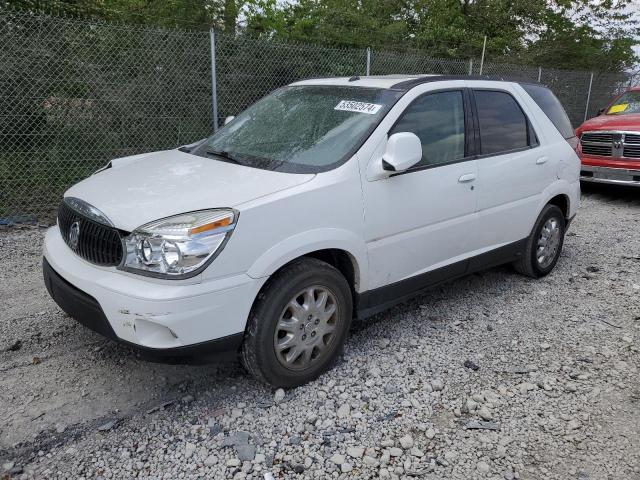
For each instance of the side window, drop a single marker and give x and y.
(552, 107)
(438, 120)
(503, 124)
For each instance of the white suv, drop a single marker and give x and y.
(327, 200)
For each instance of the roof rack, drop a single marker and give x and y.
(408, 84)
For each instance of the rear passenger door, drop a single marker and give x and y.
(513, 169)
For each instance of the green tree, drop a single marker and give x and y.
(562, 33)
(193, 14)
(355, 23)
(580, 34)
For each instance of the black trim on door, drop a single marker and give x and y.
(379, 299)
(471, 134)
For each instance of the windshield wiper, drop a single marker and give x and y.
(224, 154)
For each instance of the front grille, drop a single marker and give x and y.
(593, 149)
(97, 243)
(630, 138)
(631, 151)
(597, 143)
(597, 137)
(611, 144)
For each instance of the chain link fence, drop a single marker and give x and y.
(76, 93)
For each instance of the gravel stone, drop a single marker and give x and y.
(371, 461)
(106, 426)
(406, 442)
(343, 411)
(471, 365)
(355, 452)
(437, 385)
(245, 452)
(484, 413)
(395, 452)
(279, 395)
(189, 450)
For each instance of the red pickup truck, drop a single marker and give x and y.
(610, 143)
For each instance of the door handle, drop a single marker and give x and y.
(467, 177)
(542, 160)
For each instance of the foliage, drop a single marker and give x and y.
(576, 34)
(581, 34)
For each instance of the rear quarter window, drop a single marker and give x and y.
(552, 107)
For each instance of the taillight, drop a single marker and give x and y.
(575, 143)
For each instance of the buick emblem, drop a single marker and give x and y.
(74, 235)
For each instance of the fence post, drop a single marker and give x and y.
(214, 83)
(368, 61)
(586, 108)
(471, 66)
(484, 48)
(539, 74)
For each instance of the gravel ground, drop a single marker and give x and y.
(493, 376)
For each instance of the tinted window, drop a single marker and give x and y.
(552, 107)
(438, 120)
(503, 126)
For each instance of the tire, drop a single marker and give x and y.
(530, 263)
(284, 315)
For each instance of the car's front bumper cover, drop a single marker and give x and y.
(174, 316)
(612, 176)
(86, 310)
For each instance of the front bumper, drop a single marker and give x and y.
(159, 317)
(87, 311)
(612, 176)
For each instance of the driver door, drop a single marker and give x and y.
(420, 223)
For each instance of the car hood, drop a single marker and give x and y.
(142, 188)
(629, 122)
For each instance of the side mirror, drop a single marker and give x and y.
(403, 151)
(228, 119)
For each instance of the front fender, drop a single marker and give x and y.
(310, 241)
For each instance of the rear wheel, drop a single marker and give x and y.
(544, 245)
(298, 325)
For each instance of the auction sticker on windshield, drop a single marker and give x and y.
(618, 108)
(360, 107)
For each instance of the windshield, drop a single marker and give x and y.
(301, 129)
(627, 103)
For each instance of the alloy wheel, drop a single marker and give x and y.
(548, 242)
(306, 328)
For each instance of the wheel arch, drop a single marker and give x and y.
(563, 202)
(339, 248)
(340, 259)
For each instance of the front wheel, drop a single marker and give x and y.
(298, 325)
(544, 245)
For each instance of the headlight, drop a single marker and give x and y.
(179, 246)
